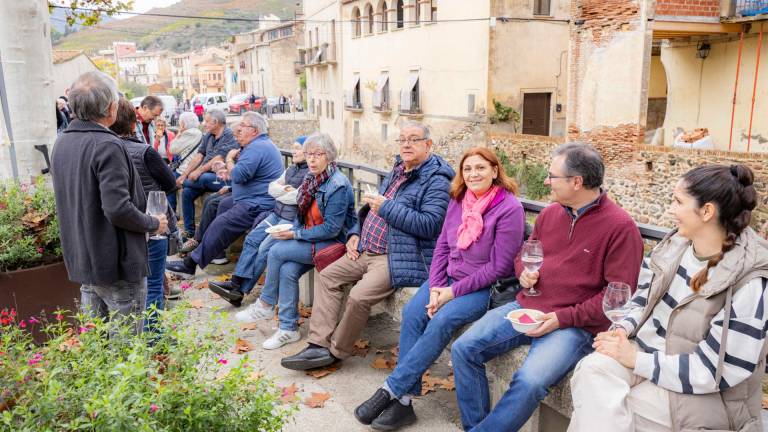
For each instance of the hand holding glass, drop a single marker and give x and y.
(157, 205)
(616, 302)
(532, 257)
(216, 167)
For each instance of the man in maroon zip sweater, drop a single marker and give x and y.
(588, 241)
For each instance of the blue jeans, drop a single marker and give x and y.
(157, 251)
(253, 258)
(192, 191)
(171, 196)
(125, 299)
(423, 339)
(549, 360)
(287, 260)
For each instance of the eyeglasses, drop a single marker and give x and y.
(409, 140)
(550, 176)
(314, 155)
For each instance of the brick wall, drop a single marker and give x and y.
(704, 8)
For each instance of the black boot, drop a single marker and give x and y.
(373, 407)
(395, 416)
(229, 291)
(313, 356)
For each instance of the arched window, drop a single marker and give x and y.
(433, 10)
(383, 16)
(400, 14)
(356, 22)
(369, 19)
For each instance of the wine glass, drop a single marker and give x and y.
(532, 257)
(157, 205)
(216, 167)
(616, 302)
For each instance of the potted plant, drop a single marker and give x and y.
(32, 273)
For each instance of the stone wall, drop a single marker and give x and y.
(284, 132)
(643, 185)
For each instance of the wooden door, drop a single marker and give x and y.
(536, 108)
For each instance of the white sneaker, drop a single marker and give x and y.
(220, 261)
(280, 338)
(256, 311)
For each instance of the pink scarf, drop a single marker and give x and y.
(472, 210)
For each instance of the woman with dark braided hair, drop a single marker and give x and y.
(692, 354)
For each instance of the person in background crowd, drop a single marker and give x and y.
(482, 233)
(67, 109)
(199, 177)
(100, 206)
(163, 139)
(390, 247)
(325, 213)
(253, 259)
(692, 354)
(183, 146)
(150, 108)
(252, 102)
(199, 110)
(61, 118)
(258, 163)
(187, 106)
(588, 241)
(155, 175)
(282, 101)
(211, 206)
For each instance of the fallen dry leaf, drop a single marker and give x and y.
(248, 326)
(361, 348)
(242, 346)
(765, 402)
(289, 393)
(223, 278)
(197, 303)
(256, 375)
(430, 383)
(201, 285)
(305, 312)
(317, 400)
(362, 344)
(319, 373)
(383, 363)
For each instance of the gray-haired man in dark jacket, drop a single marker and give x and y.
(100, 204)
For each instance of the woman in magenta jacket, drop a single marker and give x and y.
(482, 234)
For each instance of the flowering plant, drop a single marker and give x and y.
(95, 375)
(29, 230)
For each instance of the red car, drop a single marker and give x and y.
(241, 103)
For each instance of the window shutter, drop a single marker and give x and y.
(405, 100)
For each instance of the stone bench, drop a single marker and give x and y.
(554, 411)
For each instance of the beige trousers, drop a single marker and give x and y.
(610, 397)
(328, 327)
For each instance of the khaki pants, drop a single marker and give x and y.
(609, 397)
(370, 274)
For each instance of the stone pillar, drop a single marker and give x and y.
(609, 66)
(409, 11)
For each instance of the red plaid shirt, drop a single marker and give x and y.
(373, 237)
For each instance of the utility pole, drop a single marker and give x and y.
(27, 66)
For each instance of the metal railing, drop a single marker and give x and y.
(748, 8)
(651, 233)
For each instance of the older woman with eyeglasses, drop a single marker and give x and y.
(326, 213)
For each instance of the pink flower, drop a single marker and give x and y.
(23, 324)
(59, 317)
(33, 320)
(153, 408)
(37, 358)
(185, 286)
(82, 329)
(222, 361)
(40, 250)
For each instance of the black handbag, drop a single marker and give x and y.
(504, 291)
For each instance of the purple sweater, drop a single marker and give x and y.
(489, 258)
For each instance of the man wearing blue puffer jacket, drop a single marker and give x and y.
(390, 248)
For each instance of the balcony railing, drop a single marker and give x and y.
(750, 8)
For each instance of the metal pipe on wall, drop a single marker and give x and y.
(735, 88)
(754, 87)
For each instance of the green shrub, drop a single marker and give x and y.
(80, 379)
(504, 113)
(29, 230)
(530, 177)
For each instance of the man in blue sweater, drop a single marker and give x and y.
(258, 163)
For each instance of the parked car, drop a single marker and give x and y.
(211, 101)
(241, 103)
